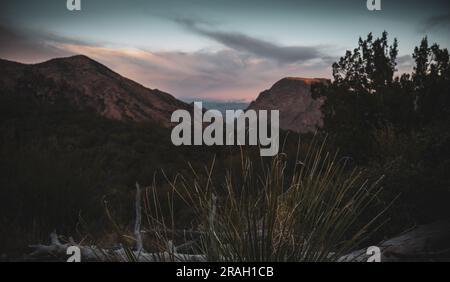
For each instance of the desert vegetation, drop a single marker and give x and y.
(378, 167)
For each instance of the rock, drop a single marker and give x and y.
(425, 243)
(299, 111)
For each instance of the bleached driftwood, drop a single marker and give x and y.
(137, 225)
(92, 253)
(425, 243)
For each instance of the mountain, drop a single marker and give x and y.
(299, 111)
(65, 150)
(88, 85)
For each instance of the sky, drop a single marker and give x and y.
(214, 49)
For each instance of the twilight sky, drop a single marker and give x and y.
(215, 49)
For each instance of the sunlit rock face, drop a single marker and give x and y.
(299, 111)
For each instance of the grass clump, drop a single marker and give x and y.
(273, 210)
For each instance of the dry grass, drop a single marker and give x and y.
(269, 211)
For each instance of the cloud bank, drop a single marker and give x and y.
(255, 46)
(437, 22)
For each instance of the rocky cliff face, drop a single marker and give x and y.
(299, 111)
(89, 85)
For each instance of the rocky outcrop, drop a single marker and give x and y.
(299, 111)
(89, 85)
(424, 243)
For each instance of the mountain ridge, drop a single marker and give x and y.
(292, 96)
(88, 84)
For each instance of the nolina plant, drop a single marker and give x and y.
(254, 214)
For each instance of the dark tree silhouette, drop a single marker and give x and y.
(431, 82)
(398, 126)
